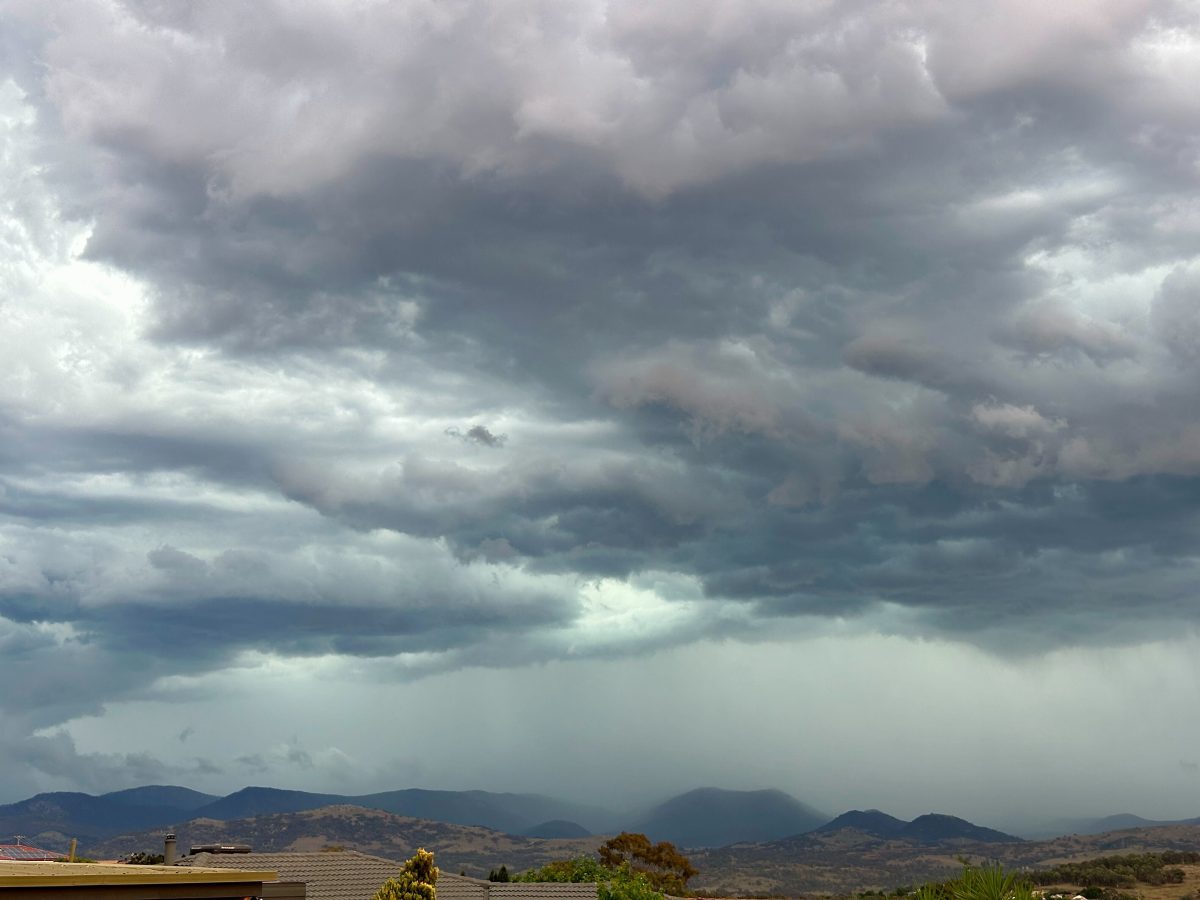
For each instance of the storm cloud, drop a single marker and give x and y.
(415, 339)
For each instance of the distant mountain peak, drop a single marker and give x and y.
(557, 828)
(714, 817)
(934, 828)
(870, 821)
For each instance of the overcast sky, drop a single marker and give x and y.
(604, 399)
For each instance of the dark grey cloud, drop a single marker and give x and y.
(390, 337)
(478, 434)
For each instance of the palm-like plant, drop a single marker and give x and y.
(990, 882)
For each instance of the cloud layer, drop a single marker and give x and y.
(431, 336)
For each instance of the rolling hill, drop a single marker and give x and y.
(1118, 822)
(848, 860)
(557, 828)
(936, 828)
(458, 847)
(870, 821)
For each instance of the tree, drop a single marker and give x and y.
(500, 874)
(416, 881)
(580, 870)
(663, 866)
(611, 884)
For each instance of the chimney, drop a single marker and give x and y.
(169, 849)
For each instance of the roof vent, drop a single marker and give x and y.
(220, 848)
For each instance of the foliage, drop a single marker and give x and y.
(627, 885)
(500, 874)
(664, 867)
(986, 882)
(582, 869)
(620, 883)
(1124, 870)
(416, 881)
(990, 882)
(142, 858)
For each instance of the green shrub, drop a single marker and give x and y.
(621, 883)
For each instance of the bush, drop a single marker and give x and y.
(987, 882)
(416, 881)
(142, 858)
(621, 883)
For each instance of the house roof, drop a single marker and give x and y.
(9, 852)
(341, 875)
(350, 875)
(54, 874)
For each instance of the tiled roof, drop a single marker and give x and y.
(460, 887)
(350, 875)
(344, 875)
(9, 852)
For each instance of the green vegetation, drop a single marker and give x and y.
(630, 868)
(416, 881)
(500, 874)
(985, 882)
(581, 870)
(611, 884)
(1096, 879)
(143, 858)
(1124, 871)
(663, 866)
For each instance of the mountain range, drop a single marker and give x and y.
(698, 818)
(840, 861)
(705, 817)
(57, 817)
(711, 817)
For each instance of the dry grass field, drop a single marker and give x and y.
(1188, 890)
(847, 862)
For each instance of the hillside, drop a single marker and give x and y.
(932, 828)
(870, 821)
(557, 828)
(839, 861)
(848, 860)
(936, 828)
(53, 819)
(711, 817)
(1118, 822)
(458, 847)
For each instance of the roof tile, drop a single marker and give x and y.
(350, 875)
